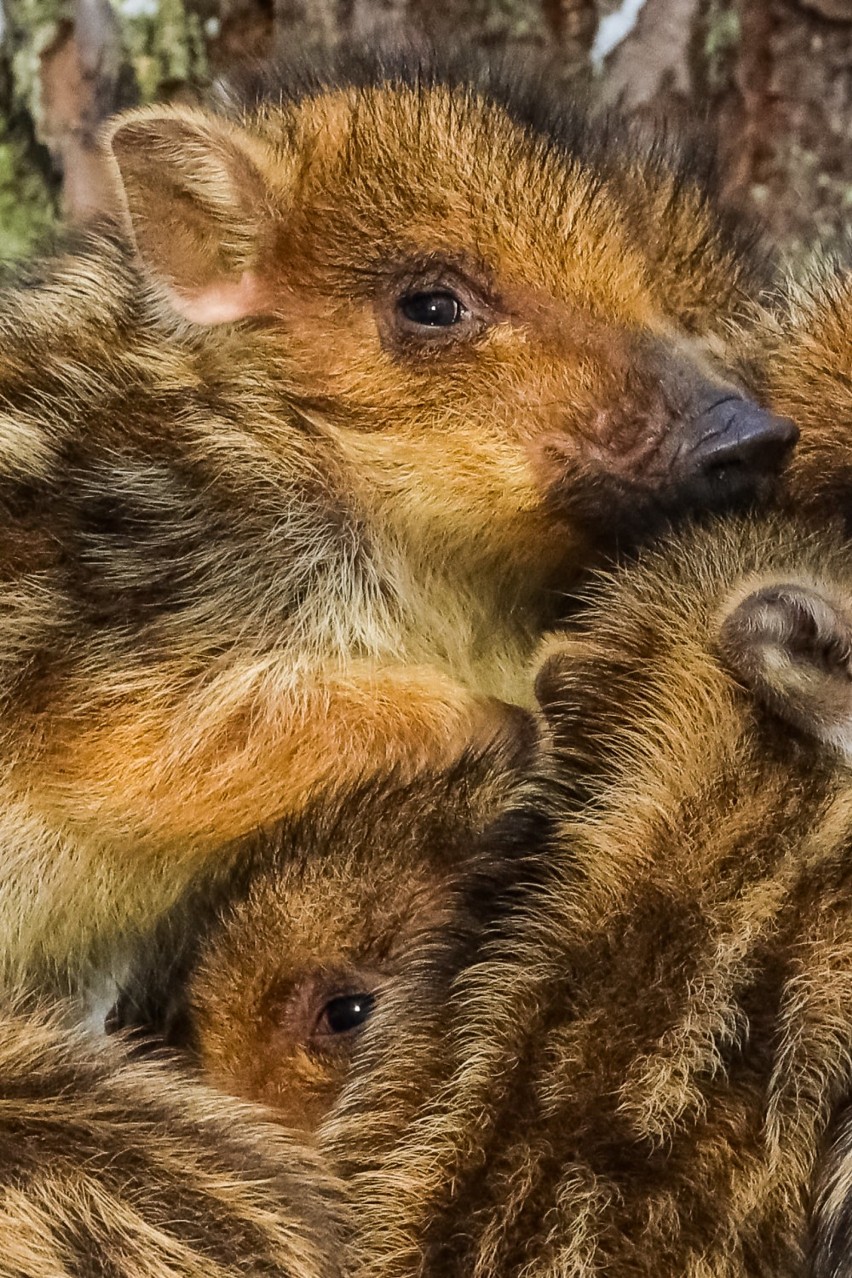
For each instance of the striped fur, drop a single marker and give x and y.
(110, 1166)
(633, 1069)
(802, 358)
(254, 534)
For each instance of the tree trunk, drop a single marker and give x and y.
(770, 81)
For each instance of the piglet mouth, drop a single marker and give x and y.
(726, 458)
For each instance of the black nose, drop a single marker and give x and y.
(735, 452)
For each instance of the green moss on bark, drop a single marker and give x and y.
(27, 205)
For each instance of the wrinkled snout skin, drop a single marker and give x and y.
(734, 448)
(265, 525)
(668, 437)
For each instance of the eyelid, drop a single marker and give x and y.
(431, 273)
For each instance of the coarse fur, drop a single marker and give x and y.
(832, 1214)
(258, 528)
(264, 979)
(801, 357)
(633, 1069)
(798, 353)
(115, 1166)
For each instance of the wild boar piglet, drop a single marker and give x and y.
(635, 1067)
(294, 465)
(265, 979)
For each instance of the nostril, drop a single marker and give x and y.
(720, 471)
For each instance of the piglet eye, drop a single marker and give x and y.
(432, 310)
(346, 1013)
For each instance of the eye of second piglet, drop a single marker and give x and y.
(436, 308)
(344, 1014)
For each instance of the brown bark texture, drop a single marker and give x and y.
(769, 82)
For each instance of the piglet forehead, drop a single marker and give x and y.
(440, 166)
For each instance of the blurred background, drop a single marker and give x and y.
(770, 81)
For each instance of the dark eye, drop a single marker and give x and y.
(345, 1013)
(433, 310)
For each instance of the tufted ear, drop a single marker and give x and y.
(199, 209)
(554, 680)
(792, 645)
(580, 707)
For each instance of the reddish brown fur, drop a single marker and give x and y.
(242, 974)
(635, 1073)
(801, 358)
(257, 531)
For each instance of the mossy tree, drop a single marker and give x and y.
(770, 80)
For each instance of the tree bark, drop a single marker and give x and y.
(769, 81)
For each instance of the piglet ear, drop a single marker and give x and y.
(792, 645)
(574, 709)
(198, 207)
(551, 681)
